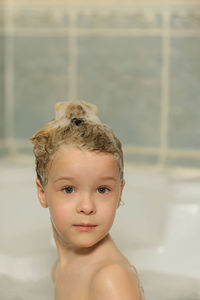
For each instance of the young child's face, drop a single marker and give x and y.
(83, 187)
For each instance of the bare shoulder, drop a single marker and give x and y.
(115, 281)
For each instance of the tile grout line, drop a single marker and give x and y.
(165, 90)
(76, 31)
(127, 149)
(73, 52)
(9, 75)
(109, 4)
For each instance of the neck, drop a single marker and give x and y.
(68, 253)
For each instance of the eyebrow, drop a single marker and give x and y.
(108, 178)
(71, 178)
(64, 178)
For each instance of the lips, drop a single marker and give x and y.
(85, 225)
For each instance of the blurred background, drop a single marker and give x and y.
(138, 61)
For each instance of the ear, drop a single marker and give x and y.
(120, 195)
(41, 194)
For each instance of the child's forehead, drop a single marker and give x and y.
(67, 151)
(73, 158)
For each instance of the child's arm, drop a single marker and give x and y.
(115, 282)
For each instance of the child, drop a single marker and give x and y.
(79, 166)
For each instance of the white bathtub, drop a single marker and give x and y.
(158, 229)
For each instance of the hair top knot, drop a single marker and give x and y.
(77, 121)
(76, 109)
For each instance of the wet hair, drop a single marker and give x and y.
(75, 124)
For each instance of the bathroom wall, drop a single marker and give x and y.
(2, 72)
(138, 61)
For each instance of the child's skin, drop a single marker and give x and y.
(89, 265)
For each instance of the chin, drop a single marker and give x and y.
(87, 241)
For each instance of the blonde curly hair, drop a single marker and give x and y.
(75, 124)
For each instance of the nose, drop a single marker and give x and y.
(86, 205)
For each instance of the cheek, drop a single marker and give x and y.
(60, 214)
(108, 212)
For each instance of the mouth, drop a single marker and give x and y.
(85, 227)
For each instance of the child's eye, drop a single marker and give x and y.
(102, 189)
(68, 189)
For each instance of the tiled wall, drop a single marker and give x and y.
(2, 72)
(139, 64)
